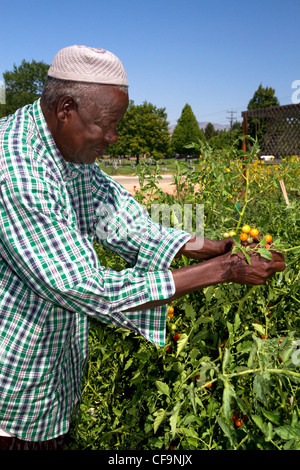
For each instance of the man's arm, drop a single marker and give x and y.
(203, 248)
(221, 269)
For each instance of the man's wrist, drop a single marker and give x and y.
(204, 248)
(198, 276)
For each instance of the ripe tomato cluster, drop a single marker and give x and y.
(249, 233)
(238, 420)
(171, 312)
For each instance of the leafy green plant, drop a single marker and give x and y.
(231, 380)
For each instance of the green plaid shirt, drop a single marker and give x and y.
(52, 282)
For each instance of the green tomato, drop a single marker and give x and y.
(225, 235)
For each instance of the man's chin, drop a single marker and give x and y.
(86, 159)
(89, 159)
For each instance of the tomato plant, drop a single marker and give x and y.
(243, 341)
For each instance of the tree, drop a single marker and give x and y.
(225, 138)
(186, 132)
(144, 130)
(23, 85)
(210, 131)
(262, 98)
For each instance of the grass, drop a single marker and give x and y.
(167, 165)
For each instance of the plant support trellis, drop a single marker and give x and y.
(282, 124)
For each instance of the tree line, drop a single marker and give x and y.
(145, 129)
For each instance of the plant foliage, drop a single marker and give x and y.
(238, 353)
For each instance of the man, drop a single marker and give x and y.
(54, 203)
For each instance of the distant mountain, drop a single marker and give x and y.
(218, 127)
(202, 125)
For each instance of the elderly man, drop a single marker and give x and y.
(54, 203)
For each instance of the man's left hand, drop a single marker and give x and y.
(203, 248)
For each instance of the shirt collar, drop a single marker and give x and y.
(68, 170)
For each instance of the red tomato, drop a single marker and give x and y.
(238, 423)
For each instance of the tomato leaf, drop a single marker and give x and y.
(272, 416)
(174, 418)
(181, 343)
(193, 398)
(228, 394)
(263, 242)
(261, 330)
(237, 322)
(128, 363)
(226, 430)
(264, 253)
(266, 429)
(160, 415)
(288, 432)
(226, 359)
(189, 311)
(163, 387)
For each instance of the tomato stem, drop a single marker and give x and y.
(291, 249)
(246, 200)
(272, 371)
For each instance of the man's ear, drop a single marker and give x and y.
(65, 107)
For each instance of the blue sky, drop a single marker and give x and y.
(210, 54)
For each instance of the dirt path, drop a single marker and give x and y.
(131, 183)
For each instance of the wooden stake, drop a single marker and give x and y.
(284, 192)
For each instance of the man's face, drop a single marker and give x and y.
(85, 133)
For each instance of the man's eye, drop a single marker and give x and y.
(101, 125)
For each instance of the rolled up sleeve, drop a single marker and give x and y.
(59, 263)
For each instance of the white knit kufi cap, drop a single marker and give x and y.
(88, 64)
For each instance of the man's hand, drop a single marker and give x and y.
(257, 272)
(203, 248)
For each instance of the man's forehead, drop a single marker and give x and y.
(108, 100)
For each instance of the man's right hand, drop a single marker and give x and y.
(257, 272)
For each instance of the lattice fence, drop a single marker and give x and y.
(282, 137)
